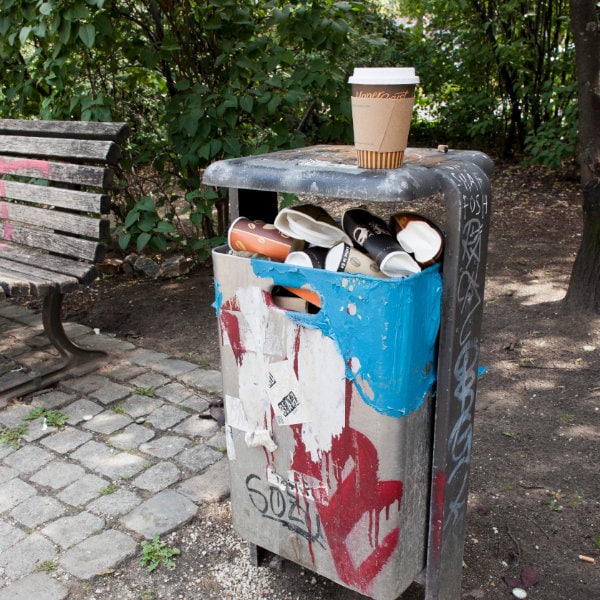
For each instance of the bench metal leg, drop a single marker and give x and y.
(73, 360)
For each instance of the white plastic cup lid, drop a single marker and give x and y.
(384, 76)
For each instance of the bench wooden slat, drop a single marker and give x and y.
(40, 282)
(117, 132)
(56, 220)
(52, 242)
(18, 283)
(84, 272)
(51, 196)
(86, 175)
(68, 149)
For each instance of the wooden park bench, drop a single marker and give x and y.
(54, 179)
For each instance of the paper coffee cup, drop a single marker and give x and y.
(372, 234)
(419, 236)
(311, 223)
(263, 238)
(309, 257)
(382, 105)
(345, 258)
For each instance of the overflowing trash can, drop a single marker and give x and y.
(345, 433)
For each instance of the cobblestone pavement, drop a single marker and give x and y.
(136, 457)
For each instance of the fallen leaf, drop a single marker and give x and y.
(511, 582)
(529, 577)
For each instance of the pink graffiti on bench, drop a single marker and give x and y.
(41, 166)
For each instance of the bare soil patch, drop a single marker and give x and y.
(534, 493)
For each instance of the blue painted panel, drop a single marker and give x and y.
(385, 329)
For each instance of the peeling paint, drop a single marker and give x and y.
(385, 330)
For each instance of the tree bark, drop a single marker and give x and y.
(584, 286)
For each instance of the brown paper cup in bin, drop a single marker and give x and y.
(260, 237)
(382, 105)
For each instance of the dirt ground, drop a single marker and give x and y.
(534, 503)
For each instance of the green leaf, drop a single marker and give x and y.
(147, 223)
(131, 218)
(142, 241)
(146, 204)
(87, 34)
(164, 227)
(246, 103)
(124, 241)
(24, 34)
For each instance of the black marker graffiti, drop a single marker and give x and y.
(287, 507)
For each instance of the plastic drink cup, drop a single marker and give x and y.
(382, 105)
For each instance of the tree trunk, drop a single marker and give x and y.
(584, 287)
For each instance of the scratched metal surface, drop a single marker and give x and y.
(331, 171)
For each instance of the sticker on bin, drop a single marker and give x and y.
(285, 394)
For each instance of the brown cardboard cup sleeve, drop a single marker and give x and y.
(381, 124)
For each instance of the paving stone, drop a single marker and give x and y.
(106, 343)
(212, 486)
(26, 555)
(197, 458)
(166, 416)
(122, 372)
(103, 459)
(174, 392)
(37, 510)
(84, 490)
(173, 367)
(13, 415)
(107, 422)
(97, 553)
(111, 392)
(28, 459)
(7, 473)
(58, 474)
(9, 535)
(204, 379)
(218, 441)
(115, 504)
(145, 358)
(139, 406)
(38, 429)
(36, 585)
(74, 330)
(150, 379)
(197, 427)
(131, 437)
(165, 446)
(66, 440)
(158, 477)
(160, 514)
(81, 408)
(14, 492)
(196, 402)
(52, 400)
(15, 312)
(69, 531)
(6, 450)
(87, 384)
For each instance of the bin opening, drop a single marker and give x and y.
(303, 300)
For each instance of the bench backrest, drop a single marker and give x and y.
(54, 176)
